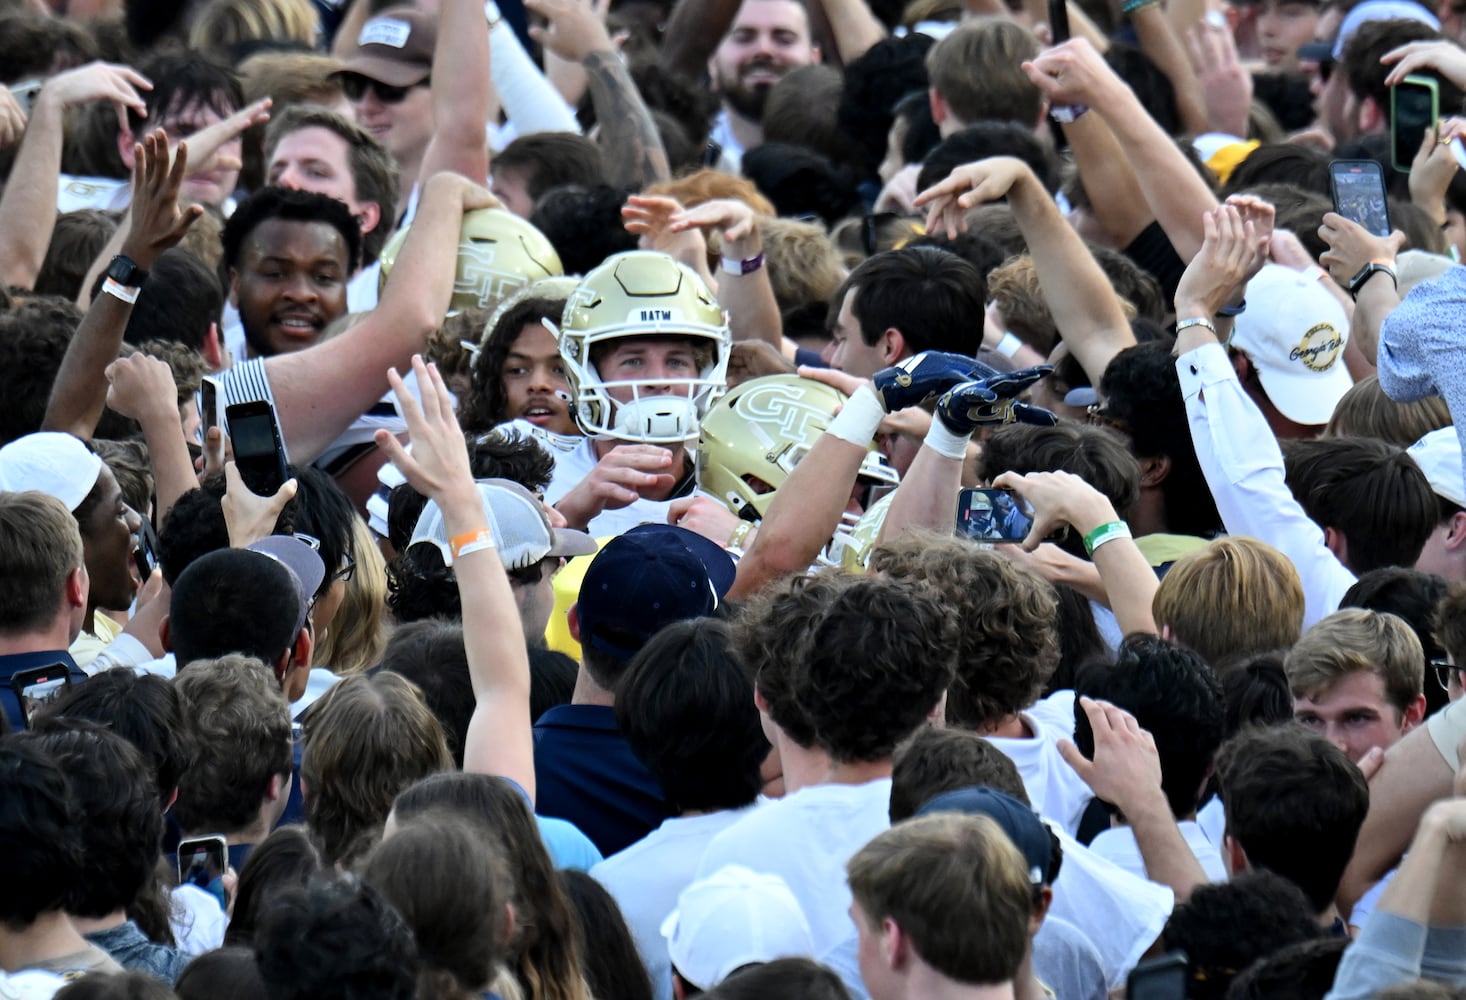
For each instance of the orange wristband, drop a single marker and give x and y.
(470, 542)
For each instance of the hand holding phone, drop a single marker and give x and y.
(1058, 22)
(203, 862)
(1414, 111)
(38, 687)
(993, 515)
(259, 448)
(1359, 194)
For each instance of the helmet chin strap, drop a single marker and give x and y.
(662, 418)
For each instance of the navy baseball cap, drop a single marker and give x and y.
(1019, 822)
(645, 580)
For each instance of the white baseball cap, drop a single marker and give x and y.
(521, 528)
(53, 463)
(1439, 456)
(732, 918)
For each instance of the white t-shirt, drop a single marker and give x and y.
(646, 878)
(805, 838)
(1212, 819)
(1122, 914)
(1055, 789)
(1118, 845)
(29, 984)
(197, 919)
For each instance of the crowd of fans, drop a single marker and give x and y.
(772, 499)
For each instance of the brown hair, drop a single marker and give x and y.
(369, 737)
(1008, 645)
(804, 265)
(1232, 598)
(1449, 623)
(40, 544)
(947, 881)
(1354, 641)
(943, 760)
(977, 69)
(709, 185)
(1365, 411)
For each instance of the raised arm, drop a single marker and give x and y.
(79, 393)
(353, 367)
(142, 388)
(499, 739)
(853, 26)
(462, 94)
(693, 32)
(1084, 305)
(748, 295)
(1115, 196)
(28, 207)
(1162, 45)
(635, 156)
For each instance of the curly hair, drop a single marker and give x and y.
(241, 724)
(33, 339)
(770, 634)
(368, 738)
(878, 658)
(482, 406)
(1008, 644)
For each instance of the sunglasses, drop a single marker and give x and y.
(1098, 416)
(355, 86)
(1443, 671)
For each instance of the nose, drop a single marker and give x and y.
(289, 178)
(299, 288)
(134, 521)
(1334, 733)
(540, 378)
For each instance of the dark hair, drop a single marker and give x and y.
(1412, 596)
(781, 979)
(41, 824)
(481, 408)
(230, 973)
(985, 139)
(583, 225)
(1142, 393)
(1367, 75)
(1289, 96)
(612, 966)
(77, 240)
(452, 886)
(1370, 491)
(979, 251)
(1282, 162)
(936, 760)
(33, 338)
(233, 601)
(324, 512)
(120, 815)
(116, 986)
(181, 78)
(195, 526)
(548, 160)
(1256, 693)
(195, 299)
(874, 86)
(801, 182)
(686, 709)
(1080, 640)
(141, 708)
(1225, 927)
(286, 859)
(288, 205)
(336, 939)
(935, 298)
(1302, 971)
(1294, 804)
(1174, 696)
(552, 677)
(431, 655)
(877, 661)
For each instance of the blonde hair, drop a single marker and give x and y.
(804, 265)
(1355, 641)
(1232, 598)
(291, 79)
(1365, 411)
(358, 634)
(223, 24)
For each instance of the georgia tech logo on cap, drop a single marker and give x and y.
(1319, 348)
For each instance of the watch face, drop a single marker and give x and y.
(123, 271)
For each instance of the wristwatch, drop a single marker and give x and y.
(125, 272)
(1368, 271)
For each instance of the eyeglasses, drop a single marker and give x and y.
(348, 562)
(1443, 671)
(355, 86)
(1099, 416)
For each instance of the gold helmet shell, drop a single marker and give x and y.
(498, 253)
(643, 293)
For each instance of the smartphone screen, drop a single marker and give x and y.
(25, 94)
(208, 407)
(1058, 21)
(202, 862)
(1414, 107)
(993, 516)
(1161, 978)
(258, 451)
(38, 687)
(1359, 194)
(145, 556)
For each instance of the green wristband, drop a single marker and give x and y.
(1105, 533)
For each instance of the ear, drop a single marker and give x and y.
(816, 54)
(125, 141)
(370, 215)
(276, 787)
(1414, 712)
(1234, 856)
(1371, 116)
(893, 346)
(165, 635)
(895, 947)
(304, 644)
(1167, 633)
(760, 702)
(511, 924)
(572, 621)
(679, 986)
(1334, 539)
(939, 105)
(937, 717)
(1153, 471)
(1456, 533)
(78, 587)
(213, 351)
(1040, 910)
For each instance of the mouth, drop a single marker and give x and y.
(299, 325)
(761, 73)
(541, 414)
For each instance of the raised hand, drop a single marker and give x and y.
(1072, 73)
(650, 218)
(992, 401)
(1351, 246)
(437, 466)
(142, 388)
(626, 474)
(157, 222)
(1126, 765)
(98, 81)
(1231, 251)
(572, 31)
(1058, 498)
(966, 187)
(1445, 57)
(734, 221)
(247, 515)
(1226, 86)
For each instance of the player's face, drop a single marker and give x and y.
(534, 378)
(647, 361)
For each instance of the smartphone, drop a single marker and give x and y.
(38, 687)
(1058, 21)
(208, 404)
(993, 515)
(202, 861)
(1415, 107)
(1359, 194)
(145, 556)
(25, 94)
(1163, 978)
(259, 450)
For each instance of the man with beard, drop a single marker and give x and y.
(767, 40)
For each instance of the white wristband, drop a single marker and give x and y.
(118, 290)
(858, 419)
(945, 443)
(1009, 345)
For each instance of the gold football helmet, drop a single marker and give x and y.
(850, 549)
(498, 254)
(643, 293)
(754, 436)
